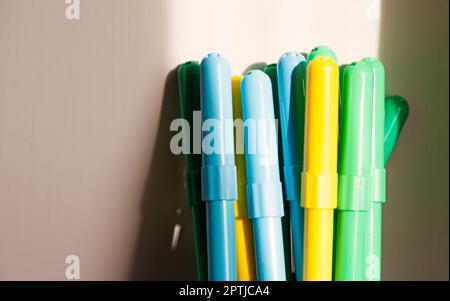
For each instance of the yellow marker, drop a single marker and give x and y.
(245, 254)
(319, 177)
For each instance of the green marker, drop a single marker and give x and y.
(396, 114)
(355, 134)
(271, 71)
(372, 261)
(189, 92)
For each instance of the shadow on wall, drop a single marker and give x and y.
(254, 66)
(414, 49)
(164, 206)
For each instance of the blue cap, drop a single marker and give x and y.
(292, 108)
(219, 181)
(264, 190)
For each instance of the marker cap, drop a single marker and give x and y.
(396, 114)
(241, 203)
(378, 172)
(355, 137)
(219, 180)
(271, 71)
(319, 177)
(292, 106)
(264, 193)
(189, 93)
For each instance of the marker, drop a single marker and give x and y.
(372, 259)
(292, 112)
(354, 171)
(189, 92)
(396, 114)
(264, 189)
(219, 180)
(271, 71)
(324, 50)
(245, 253)
(319, 177)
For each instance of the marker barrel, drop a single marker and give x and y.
(219, 179)
(264, 190)
(396, 114)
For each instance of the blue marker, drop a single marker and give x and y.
(264, 190)
(219, 182)
(292, 113)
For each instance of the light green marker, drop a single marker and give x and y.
(372, 260)
(354, 169)
(396, 113)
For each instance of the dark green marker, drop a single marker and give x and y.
(189, 91)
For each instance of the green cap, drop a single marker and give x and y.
(396, 114)
(355, 137)
(189, 93)
(378, 173)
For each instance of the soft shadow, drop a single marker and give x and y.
(414, 49)
(164, 206)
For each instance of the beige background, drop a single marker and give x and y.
(85, 108)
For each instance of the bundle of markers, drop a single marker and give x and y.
(303, 170)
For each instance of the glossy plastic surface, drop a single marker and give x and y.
(319, 177)
(372, 257)
(189, 94)
(219, 181)
(271, 71)
(245, 253)
(290, 71)
(396, 114)
(354, 171)
(264, 190)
